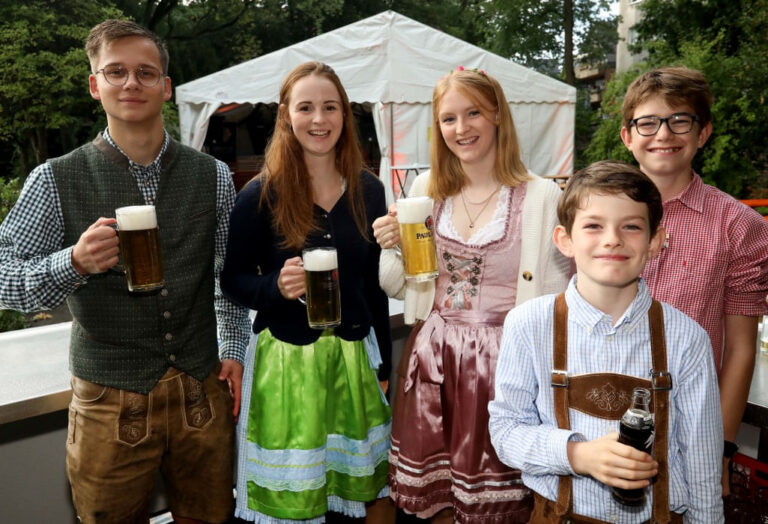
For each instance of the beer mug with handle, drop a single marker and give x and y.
(414, 216)
(140, 247)
(323, 300)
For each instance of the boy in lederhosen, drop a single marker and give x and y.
(568, 365)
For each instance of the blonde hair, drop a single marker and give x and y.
(447, 177)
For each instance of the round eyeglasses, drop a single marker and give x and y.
(118, 75)
(679, 124)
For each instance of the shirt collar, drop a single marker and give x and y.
(589, 316)
(693, 194)
(133, 165)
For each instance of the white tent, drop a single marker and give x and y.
(393, 63)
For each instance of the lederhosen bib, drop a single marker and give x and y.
(574, 392)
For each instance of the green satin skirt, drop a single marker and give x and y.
(314, 433)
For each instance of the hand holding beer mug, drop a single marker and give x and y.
(416, 239)
(140, 247)
(321, 271)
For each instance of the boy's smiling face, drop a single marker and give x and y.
(610, 241)
(665, 154)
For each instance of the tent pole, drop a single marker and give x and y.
(391, 135)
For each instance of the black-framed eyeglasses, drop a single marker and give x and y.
(118, 75)
(679, 124)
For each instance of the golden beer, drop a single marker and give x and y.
(140, 247)
(321, 274)
(417, 241)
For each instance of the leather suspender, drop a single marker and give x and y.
(660, 383)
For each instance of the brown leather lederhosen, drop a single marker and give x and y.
(608, 396)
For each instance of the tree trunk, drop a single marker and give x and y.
(570, 75)
(39, 141)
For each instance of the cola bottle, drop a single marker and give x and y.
(636, 430)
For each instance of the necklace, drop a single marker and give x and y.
(484, 203)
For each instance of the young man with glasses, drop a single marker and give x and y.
(714, 262)
(150, 393)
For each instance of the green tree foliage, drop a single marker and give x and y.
(9, 192)
(43, 71)
(726, 40)
(548, 34)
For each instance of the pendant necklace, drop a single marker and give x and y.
(484, 203)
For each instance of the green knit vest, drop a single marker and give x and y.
(129, 340)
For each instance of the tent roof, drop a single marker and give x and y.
(384, 58)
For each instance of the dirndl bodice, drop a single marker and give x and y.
(441, 451)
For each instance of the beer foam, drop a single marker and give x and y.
(136, 218)
(320, 260)
(414, 210)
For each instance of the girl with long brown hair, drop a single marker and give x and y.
(315, 426)
(493, 228)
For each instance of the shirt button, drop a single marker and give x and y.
(168, 337)
(164, 292)
(172, 358)
(167, 314)
(325, 215)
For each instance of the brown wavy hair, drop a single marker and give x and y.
(676, 86)
(447, 177)
(110, 30)
(287, 187)
(609, 177)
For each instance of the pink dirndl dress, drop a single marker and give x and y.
(441, 454)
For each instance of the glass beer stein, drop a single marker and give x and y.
(321, 274)
(140, 247)
(417, 242)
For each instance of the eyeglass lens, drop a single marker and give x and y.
(118, 76)
(679, 124)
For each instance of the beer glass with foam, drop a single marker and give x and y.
(140, 247)
(321, 274)
(414, 215)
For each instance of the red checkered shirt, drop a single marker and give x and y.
(714, 261)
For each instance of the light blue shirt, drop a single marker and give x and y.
(524, 428)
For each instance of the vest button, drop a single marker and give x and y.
(172, 358)
(166, 314)
(164, 292)
(168, 337)
(327, 236)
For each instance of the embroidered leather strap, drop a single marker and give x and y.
(661, 383)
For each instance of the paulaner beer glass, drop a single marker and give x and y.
(321, 273)
(416, 240)
(140, 247)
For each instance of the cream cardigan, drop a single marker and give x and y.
(543, 269)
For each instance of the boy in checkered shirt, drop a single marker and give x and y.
(714, 262)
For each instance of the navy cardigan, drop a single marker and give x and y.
(254, 259)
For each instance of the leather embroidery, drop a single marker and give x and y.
(132, 426)
(196, 405)
(608, 399)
